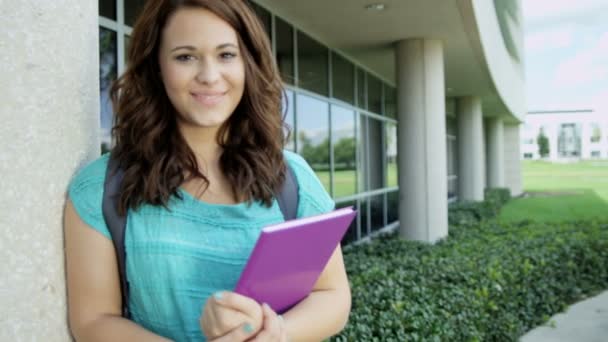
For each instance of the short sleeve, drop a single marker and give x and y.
(313, 198)
(86, 192)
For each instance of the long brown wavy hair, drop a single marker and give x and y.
(150, 149)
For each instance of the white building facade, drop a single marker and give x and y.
(572, 134)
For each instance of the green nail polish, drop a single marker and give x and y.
(218, 295)
(248, 328)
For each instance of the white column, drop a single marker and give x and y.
(471, 173)
(49, 109)
(421, 140)
(495, 153)
(513, 178)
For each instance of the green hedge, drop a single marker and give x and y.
(486, 282)
(467, 213)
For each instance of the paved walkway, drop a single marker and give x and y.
(586, 321)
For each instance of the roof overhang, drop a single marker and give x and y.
(368, 37)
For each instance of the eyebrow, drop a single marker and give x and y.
(192, 48)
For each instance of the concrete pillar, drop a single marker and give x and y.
(513, 178)
(471, 173)
(421, 140)
(49, 109)
(495, 153)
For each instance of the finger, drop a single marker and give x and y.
(272, 324)
(241, 333)
(240, 303)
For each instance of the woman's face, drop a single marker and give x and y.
(201, 66)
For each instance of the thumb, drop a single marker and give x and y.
(240, 333)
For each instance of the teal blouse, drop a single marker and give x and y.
(177, 258)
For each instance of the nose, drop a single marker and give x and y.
(208, 72)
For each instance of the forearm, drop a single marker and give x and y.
(114, 328)
(321, 315)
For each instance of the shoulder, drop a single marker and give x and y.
(86, 193)
(313, 197)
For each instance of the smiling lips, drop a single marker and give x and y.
(208, 98)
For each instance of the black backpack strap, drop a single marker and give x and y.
(116, 225)
(288, 197)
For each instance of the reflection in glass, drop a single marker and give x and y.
(452, 187)
(390, 101)
(107, 74)
(377, 212)
(289, 119)
(361, 90)
(392, 207)
(344, 151)
(365, 226)
(132, 10)
(351, 234)
(312, 117)
(391, 155)
(312, 65)
(107, 8)
(362, 168)
(264, 16)
(284, 49)
(374, 94)
(375, 147)
(127, 45)
(343, 81)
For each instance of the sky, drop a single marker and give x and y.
(566, 54)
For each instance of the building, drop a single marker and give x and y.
(573, 135)
(400, 107)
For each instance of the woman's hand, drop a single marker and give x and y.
(228, 316)
(273, 329)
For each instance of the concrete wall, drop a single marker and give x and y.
(506, 72)
(49, 109)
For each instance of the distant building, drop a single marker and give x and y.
(573, 134)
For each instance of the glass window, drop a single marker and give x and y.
(596, 133)
(361, 103)
(374, 94)
(392, 210)
(451, 155)
(452, 186)
(264, 16)
(289, 119)
(107, 74)
(312, 65)
(127, 44)
(344, 151)
(450, 125)
(362, 168)
(376, 148)
(390, 101)
(132, 10)
(284, 50)
(376, 206)
(391, 155)
(352, 233)
(343, 79)
(365, 226)
(312, 117)
(107, 8)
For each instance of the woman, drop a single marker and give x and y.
(199, 136)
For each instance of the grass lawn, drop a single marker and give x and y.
(558, 192)
(345, 181)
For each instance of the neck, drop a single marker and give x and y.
(202, 141)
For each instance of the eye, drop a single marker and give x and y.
(227, 55)
(184, 58)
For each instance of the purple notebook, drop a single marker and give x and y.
(289, 257)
